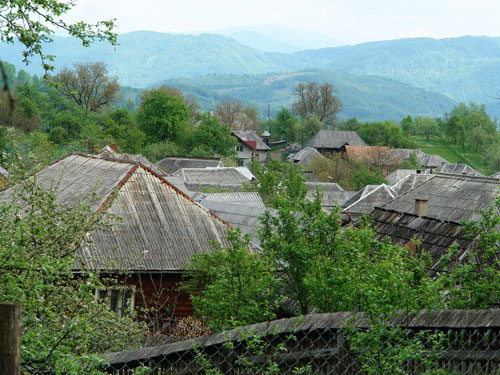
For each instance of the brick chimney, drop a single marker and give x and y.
(421, 207)
(114, 147)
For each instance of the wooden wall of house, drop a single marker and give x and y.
(159, 293)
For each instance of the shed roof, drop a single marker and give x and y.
(400, 174)
(409, 182)
(451, 197)
(108, 152)
(460, 168)
(333, 194)
(335, 139)
(242, 216)
(161, 228)
(435, 236)
(251, 199)
(365, 200)
(229, 176)
(246, 136)
(305, 156)
(172, 164)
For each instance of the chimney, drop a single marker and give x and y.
(114, 147)
(421, 207)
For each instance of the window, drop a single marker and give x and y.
(119, 299)
(239, 148)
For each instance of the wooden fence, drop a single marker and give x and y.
(444, 342)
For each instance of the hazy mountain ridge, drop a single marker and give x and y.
(465, 68)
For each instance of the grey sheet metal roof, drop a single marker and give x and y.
(178, 182)
(400, 174)
(172, 164)
(161, 227)
(435, 236)
(229, 176)
(250, 135)
(305, 156)
(251, 199)
(431, 161)
(460, 168)
(409, 182)
(451, 197)
(495, 175)
(335, 139)
(108, 152)
(333, 194)
(244, 217)
(365, 200)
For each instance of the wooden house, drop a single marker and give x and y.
(160, 229)
(328, 141)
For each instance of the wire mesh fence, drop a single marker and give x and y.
(443, 342)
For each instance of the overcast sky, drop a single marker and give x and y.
(352, 21)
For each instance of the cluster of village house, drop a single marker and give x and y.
(168, 216)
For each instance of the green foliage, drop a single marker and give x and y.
(213, 137)
(26, 26)
(162, 116)
(231, 287)
(386, 133)
(474, 283)
(284, 126)
(64, 329)
(157, 151)
(363, 176)
(58, 135)
(426, 126)
(277, 181)
(388, 350)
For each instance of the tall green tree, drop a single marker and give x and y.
(162, 116)
(215, 138)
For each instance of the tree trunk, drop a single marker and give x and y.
(10, 338)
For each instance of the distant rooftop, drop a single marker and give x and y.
(335, 139)
(172, 164)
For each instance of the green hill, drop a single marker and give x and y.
(364, 97)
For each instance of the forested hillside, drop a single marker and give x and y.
(364, 97)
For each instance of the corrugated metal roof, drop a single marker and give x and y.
(305, 156)
(335, 139)
(221, 176)
(460, 168)
(108, 152)
(178, 182)
(161, 228)
(244, 217)
(251, 199)
(409, 182)
(451, 197)
(333, 194)
(365, 200)
(172, 164)
(400, 174)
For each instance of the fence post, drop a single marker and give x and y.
(10, 338)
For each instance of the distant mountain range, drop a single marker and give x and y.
(277, 38)
(460, 69)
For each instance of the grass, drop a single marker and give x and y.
(453, 153)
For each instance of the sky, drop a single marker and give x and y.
(351, 21)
